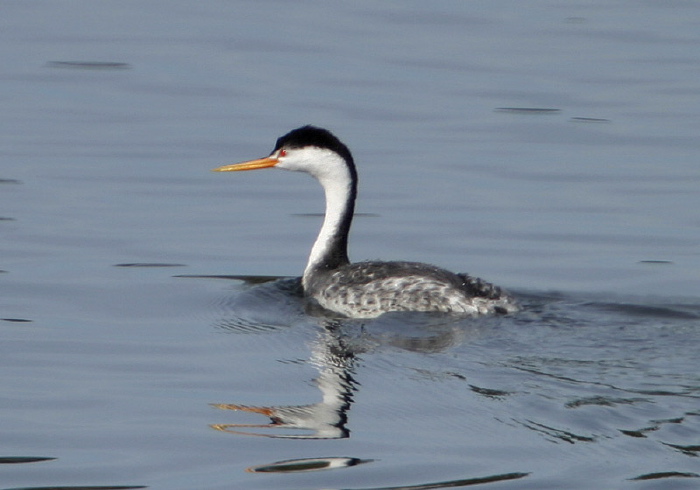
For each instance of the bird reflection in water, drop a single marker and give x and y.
(326, 419)
(334, 353)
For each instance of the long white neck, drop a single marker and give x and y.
(330, 248)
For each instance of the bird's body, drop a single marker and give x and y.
(366, 289)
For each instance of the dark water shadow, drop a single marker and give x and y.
(467, 482)
(660, 311)
(42, 459)
(664, 475)
(23, 459)
(148, 265)
(90, 487)
(89, 65)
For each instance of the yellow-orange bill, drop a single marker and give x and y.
(250, 165)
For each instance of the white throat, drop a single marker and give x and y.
(337, 194)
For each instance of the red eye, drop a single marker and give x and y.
(282, 153)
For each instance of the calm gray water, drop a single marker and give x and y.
(548, 146)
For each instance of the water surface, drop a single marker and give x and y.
(550, 147)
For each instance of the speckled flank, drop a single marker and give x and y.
(368, 289)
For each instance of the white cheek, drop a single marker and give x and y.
(285, 165)
(292, 163)
(321, 163)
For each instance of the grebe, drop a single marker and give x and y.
(366, 289)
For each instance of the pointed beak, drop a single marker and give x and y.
(250, 165)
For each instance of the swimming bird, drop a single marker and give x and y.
(366, 289)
